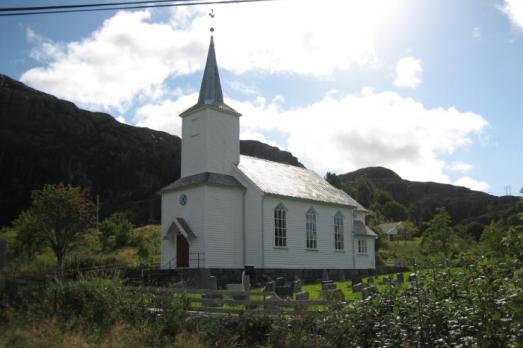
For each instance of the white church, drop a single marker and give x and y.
(228, 211)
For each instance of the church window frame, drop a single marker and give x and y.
(311, 234)
(338, 232)
(280, 226)
(362, 247)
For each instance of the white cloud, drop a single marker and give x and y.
(514, 10)
(342, 133)
(164, 114)
(121, 119)
(460, 167)
(243, 88)
(472, 183)
(408, 70)
(131, 55)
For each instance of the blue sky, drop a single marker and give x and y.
(430, 89)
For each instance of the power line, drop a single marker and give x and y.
(62, 7)
(147, 4)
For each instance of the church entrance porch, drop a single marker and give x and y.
(182, 251)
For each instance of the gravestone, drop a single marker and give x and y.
(212, 283)
(328, 285)
(368, 292)
(357, 287)
(284, 290)
(356, 280)
(412, 277)
(297, 285)
(3, 252)
(234, 287)
(324, 275)
(342, 277)
(400, 277)
(280, 281)
(246, 281)
(302, 296)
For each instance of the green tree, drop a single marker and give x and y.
(439, 237)
(407, 230)
(115, 231)
(332, 179)
(395, 211)
(58, 216)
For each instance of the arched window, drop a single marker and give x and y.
(280, 226)
(310, 228)
(338, 231)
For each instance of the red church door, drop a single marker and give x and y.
(182, 251)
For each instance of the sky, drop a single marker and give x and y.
(430, 89)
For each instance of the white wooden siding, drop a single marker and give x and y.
(296, 254)
(193, 213)
(210, 144)
(368, 260)
(224, 227)
(253, 220)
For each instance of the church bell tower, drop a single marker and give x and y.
(210, 128)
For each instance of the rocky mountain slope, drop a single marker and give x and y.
(422, 198)
(47, 140)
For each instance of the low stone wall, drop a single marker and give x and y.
(195, 277)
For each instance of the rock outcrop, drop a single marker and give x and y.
(46, 140)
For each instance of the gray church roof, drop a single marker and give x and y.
(360, 229)
(203, 178)
(211, 90)
(291, 181)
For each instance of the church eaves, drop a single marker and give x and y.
(211, 90)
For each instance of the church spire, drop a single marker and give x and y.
(211, 89)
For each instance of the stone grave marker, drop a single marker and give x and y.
(368, 292)
(285, 290)
(412, 277)
(297, 285)
(234, 287)
(302, 296)
(246, 281)
(280, 281)
(399, 277)
(212, 283)
(328, 285)
(370, 280)
(357, 287)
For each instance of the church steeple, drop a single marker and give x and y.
(210, 128)
(211, 89)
